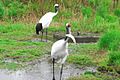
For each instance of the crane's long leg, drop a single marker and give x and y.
(61, 72)
(53, 69)
(42, 34)
(63, 61)
(46, 34)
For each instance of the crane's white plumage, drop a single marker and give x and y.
(56, 5)
(47, 18)
(60, 48)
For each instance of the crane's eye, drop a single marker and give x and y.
(57, 7)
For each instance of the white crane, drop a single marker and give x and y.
(59, 49)
(45, 21)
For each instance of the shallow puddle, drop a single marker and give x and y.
(42, 70)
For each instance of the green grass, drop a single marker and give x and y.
(89, 16)
(17, 31)
(80, 59)
(84, 77)
(110, 40)
(16, 43)
(23, 51)
(114, 58)
(95, 76)
(87, 55)
(10, 65)
(90, 55)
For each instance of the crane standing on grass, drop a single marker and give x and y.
(45, 21)
(60, 49)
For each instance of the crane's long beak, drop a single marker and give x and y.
(72, 37)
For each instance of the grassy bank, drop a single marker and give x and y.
(17, 42)
(20, 52)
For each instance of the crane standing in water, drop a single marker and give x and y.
(60, 49)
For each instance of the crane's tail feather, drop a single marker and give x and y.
(38, 27)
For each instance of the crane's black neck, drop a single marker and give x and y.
(68, 31)
(56, 9)
(66, 38)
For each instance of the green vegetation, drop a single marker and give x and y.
(117, 12)
(16, 31)
(10, 66)
(10, 9)
(85, 16)
(96, 76)
(80, 59)
(17, 42)
(84, 77)
(114, 58)
(83, 54)
(21, 51)
(110, 40)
